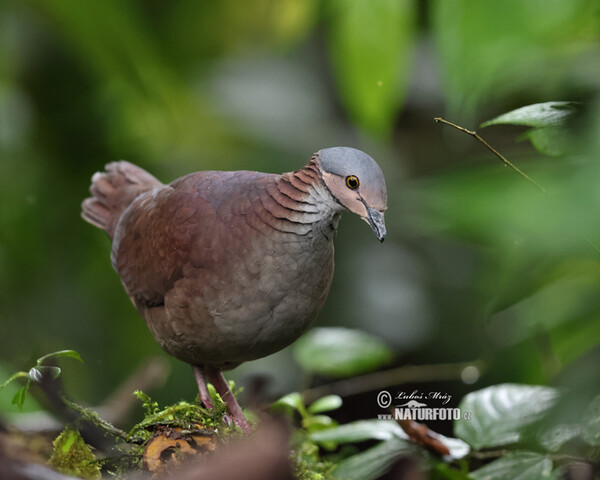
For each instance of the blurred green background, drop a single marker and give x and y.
(478, 264)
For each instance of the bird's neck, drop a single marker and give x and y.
(307, 200)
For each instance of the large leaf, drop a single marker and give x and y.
(556, 436)
(516, 466)
(549, 114)
(386, 430)
(372, 463)
(340, 352)
(361, 431)
(590, 423)
(370, 44)
(457, 448)
(499, 414)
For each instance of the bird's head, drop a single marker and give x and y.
(356, 182)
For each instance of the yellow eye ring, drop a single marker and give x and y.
(352, 182)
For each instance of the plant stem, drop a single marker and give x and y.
(91, 416)
(506, 162)
(494, 151)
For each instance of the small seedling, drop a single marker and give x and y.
(37, 373)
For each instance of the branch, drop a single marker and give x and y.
(151, 374)
(91, 416)
(421, 434)
(507, 163)
(494, 151)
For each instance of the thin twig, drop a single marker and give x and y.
(421, 434)
(494, 151)
(506, 162)
(92, 416)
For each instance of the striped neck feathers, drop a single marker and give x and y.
(306, 200)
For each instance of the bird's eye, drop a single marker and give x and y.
(352, 182)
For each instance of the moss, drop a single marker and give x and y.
(185, 418)
(308, 464)
(72, 456)
(183, 414)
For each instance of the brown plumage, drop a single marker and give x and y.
(227, 267)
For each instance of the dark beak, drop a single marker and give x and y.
(377, 222)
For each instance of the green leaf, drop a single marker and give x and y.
(370, 45)
(372, 463)
(291, 400)
(556, 436)
(340, 352)
(549, 135)
(551, 140)
(590, 423)
(549, 114)
(316, 423)
(360, 431)
(14, 376)
(325, 404)
(516, 466)
(60, 353)
(364, 430)
(19, 397)
(498, 414)
(458, 449)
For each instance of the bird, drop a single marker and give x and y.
(231, 266)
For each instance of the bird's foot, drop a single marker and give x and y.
(215, 376)
(218, 380)
(239, 419)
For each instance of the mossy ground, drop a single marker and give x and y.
(194, 427)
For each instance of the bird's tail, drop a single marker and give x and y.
(113, 191)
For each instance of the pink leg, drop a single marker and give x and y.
(202, 388)
(218, 380)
